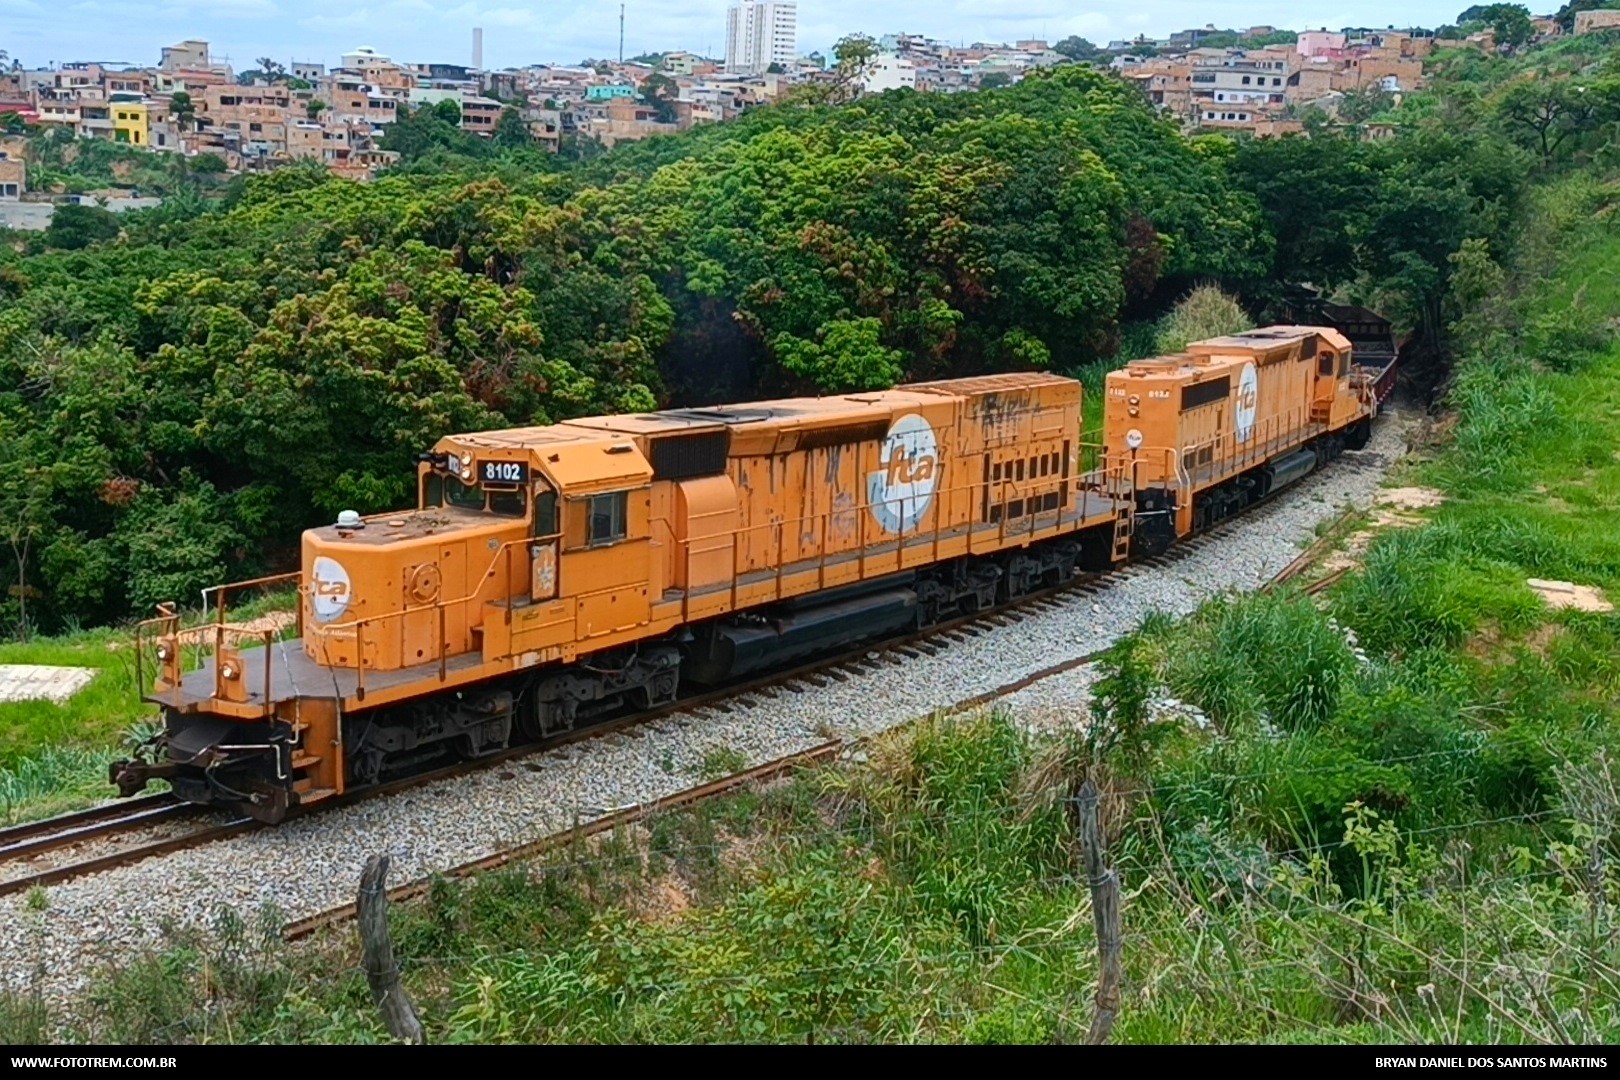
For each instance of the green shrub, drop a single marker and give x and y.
(1206, 312)
(1268, 655)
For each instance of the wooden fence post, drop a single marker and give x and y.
(1104, 885)
(377, 954)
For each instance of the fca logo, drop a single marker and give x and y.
(331, 588)
(902, 470)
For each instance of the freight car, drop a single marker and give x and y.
(549, 575)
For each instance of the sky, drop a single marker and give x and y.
(40, 32)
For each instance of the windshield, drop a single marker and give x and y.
(440, 490)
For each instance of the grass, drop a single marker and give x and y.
(53, 757)
(933, 894)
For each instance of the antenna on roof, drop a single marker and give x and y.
(621, 33)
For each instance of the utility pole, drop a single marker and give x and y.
(621, 33)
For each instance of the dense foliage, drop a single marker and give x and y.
(179, 399)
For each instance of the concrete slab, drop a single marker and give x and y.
(40, 682)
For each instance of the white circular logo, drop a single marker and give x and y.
(329, 589)
(901, 490)
(1248, 401)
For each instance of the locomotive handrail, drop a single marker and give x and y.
(222, 592)
(1115, 474)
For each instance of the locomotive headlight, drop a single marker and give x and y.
(466, 472)
(1133, 400)
(228, 670)
(163, 653)
(1134, 411)
(466, 459)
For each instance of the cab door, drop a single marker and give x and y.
(1331, 369)
(544, 566)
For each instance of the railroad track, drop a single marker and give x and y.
(79, 844)
(54, 850)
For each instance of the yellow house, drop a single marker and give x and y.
(131, 124)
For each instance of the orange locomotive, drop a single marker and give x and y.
(1241, 417)
(552, 574)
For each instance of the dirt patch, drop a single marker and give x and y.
(1409, 498)
(1566, 594)
(1542, 638)
(275, 620)
(1393, 508)
(739, 854)
(665, 898)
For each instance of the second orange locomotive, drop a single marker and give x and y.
(549, 574)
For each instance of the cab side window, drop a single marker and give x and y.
(607, 518)
(1325, 365)
(545, 511)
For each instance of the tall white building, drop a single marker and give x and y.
(760, 33)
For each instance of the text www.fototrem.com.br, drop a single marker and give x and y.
(94, 1062)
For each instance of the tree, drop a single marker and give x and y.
(1510, 23)
(272, 70)
(1359, 106)
(214, 380)
(75, 226)
(853, 52)
(1077, 48)
(1276, 37)
(1316, 192)
(12, 122)
(25, 500)
(511, 132)
(183, 109)
(995, 80)
(1543, 114)
(660, 91)
(209, 165)
(851, 56)
(775, 68)
(314, 109)
(448, 110)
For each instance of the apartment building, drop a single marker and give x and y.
(1220, 88)
(187, 54)
(132, 121)
(625, 119)
(351, 96)
(1590, 22)
(887, 72)
(760, 33)
(479, 115)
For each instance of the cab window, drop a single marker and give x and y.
(607, 518)
(545, 510)
(466, 496)
(1325, 364)
(507, 503)
(450, 491)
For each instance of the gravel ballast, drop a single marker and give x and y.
(307, 866)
